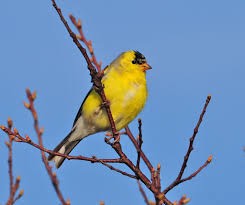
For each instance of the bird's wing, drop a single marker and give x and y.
(79, 113)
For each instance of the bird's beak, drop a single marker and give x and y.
(146, 67)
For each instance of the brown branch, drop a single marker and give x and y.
(39, 131)
(96, 77)
(190, 148)
(10, 167)
(118, 170)
(142, 154)
(9, 144)
(13, 186)
(143, 193)
(92, 159)
(123, 159)
(88, 43)
(155, 175)
(19, 195)
(197, 171)
(140, 142)
(158, 179)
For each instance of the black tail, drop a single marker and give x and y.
(64, 147)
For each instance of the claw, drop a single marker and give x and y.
(110, 136)
(105, 104)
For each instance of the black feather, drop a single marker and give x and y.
(139, 58)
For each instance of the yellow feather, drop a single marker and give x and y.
(125, 88)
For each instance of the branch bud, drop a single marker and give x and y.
(10, 122)
(68, 202)
(2, 127)
(21, 193)
(79, 23)
(34, 95)
(54, 174)
(158, 166)
(16, 132)
(18, 179)
(27, 105)
(7, 144)
(41, 130)
(209, 158)
(186, 200)
(28, 139)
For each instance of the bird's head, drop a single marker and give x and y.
(132, 60)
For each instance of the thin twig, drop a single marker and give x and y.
(13, 186)
(140, 142)
(19, 195)
(10, 163)
(158, 179)
(88, 43)
(39, 131)
(143, 193)
(95, 76)
(190, 148)
(28, 140)
(142, 154)
(197, 171)
(92, 159)
(118, 170)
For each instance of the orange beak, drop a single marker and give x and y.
(146, 67)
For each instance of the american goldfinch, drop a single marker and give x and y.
(125, 88)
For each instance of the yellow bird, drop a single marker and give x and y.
(125, 88)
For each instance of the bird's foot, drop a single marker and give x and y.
(110, 136)
(105, 104)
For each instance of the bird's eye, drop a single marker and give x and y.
(134, 61)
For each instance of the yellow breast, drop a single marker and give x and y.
(127, 94)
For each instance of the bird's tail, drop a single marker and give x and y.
(64, 147)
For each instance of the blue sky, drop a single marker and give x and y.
(196, 48)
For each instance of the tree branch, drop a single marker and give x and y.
(39, 131)
(140, 142)
(13, 186)
(81, 37)
(190, 148)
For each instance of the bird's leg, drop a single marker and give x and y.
(110, 136)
